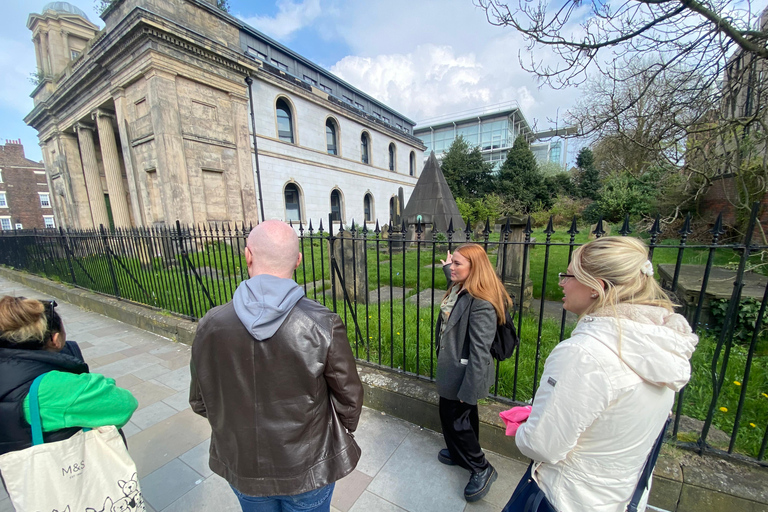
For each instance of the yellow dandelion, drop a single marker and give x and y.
(724, 409)
(398, 333)
(737, 383)
(765, 395)
(752, 425)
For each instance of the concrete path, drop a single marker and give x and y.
(398, 471)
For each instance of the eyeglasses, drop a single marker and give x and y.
(563, 278)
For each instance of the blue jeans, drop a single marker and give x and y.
(318, 500)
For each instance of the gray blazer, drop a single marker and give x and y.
(466, 382)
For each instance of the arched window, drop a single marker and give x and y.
(392, 156)
(284, 121)
(292, 203)
(365, 147)
(336, 206)
(413, 164)
(368, 207)
(330, 137)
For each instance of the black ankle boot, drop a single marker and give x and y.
(445, 457)
(479, 484)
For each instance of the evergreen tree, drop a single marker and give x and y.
(467, 174)
(520, 179)
(589, 176)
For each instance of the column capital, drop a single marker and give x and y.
(83, 126)
(117, 92)
(102, 113)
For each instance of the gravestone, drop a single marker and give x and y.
(509, 264)
(349, 253)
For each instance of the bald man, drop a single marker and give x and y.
(274, 374)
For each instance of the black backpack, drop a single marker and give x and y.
(505, 341)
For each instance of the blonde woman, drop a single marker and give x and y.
(606, 391)
(33, 342)
(473, 306)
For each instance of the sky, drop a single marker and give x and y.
(423, 59)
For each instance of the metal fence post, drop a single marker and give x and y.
(65, 243)
(108, 252)
(187, 285)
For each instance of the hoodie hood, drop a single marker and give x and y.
(263, 302)
(655, 343)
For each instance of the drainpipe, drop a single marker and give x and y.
(249, 81)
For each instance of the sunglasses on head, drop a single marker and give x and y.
(49, 305)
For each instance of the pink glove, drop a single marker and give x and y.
(515, 417)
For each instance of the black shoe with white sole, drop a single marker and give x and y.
(480, 483)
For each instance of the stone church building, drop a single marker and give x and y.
(149, 120)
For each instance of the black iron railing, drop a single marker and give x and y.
(387, 282)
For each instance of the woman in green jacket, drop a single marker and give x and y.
(33, 342)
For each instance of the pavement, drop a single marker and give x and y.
(398, 470)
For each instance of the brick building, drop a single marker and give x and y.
(25, 199)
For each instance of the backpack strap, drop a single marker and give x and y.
(34, 411)
(650, 463)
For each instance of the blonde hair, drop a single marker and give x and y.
(482, 281)
(617, 261)
(23, 321)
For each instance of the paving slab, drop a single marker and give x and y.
(169, 483)
(197, 458)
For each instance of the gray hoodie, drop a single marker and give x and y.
(263, 302)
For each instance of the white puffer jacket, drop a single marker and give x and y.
(603, 398)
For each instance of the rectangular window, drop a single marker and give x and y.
(5, 223)
(19, 225)
(74, 54)
(348, 100)
(48, 221)
(279, 65)
(386, 120)
(310, 81)
(45, 200)
(326, 89)
(360, 106)
(1, 175)
(3, 200)
(377, 115)
(255, 54)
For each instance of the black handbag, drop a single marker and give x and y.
(528, 497)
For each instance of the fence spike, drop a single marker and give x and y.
(528, 228)
(507, 227)
(290, 222)
(341, 227)
(365, 227)
(599, 231)
(625, 228)
(717, 230)
(487, 229)
(574, 230)
(353, 229)
(656, 228)
(686, 229)
(301, 228)
(468, 229)
(403, 227)
(321, 226)
(450, 227)
(377, 230)
(418, 227)
(550, 228)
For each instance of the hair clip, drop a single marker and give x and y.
(647, 268)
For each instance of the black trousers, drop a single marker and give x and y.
(461, 430)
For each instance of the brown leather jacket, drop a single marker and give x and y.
(281, 410)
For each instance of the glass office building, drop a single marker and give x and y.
(493, 129)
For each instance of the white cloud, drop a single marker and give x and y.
(290, 18)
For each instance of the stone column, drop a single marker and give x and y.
(509, 264)
(118, 95)
(92, 178)
(112, 169)
(171, 161)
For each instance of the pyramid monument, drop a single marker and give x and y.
(433, 201)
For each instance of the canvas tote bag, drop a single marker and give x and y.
(89, 472)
